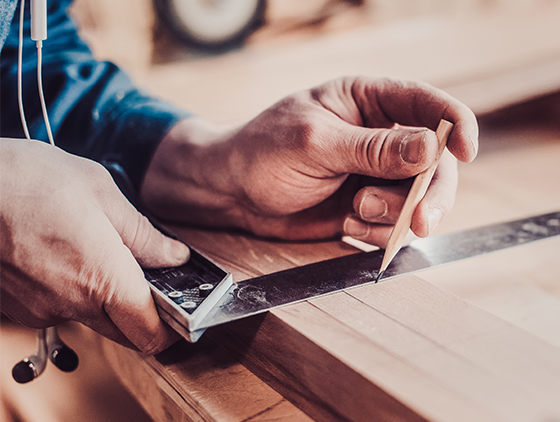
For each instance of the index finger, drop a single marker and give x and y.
(384, 102)
(130, 306)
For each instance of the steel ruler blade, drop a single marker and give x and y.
(261, 294)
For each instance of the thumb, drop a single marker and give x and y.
(395, 153)
(149, 246)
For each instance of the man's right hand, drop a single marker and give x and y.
(332, 160)
(71, 245)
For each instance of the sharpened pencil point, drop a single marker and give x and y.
(415, 194)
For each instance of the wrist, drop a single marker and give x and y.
(189, 179)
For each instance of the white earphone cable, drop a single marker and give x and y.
(39, 28)
(41, 95)
(19, 83)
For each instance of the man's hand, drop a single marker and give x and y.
(324, 162)
(69, 240)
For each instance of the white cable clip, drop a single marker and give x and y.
(38, 20)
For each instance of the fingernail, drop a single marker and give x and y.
(372, 206)
(355, 228)
(434, 217)
(411, 147)
(177, 251)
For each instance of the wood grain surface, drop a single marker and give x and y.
(406, 349)
(401, 350)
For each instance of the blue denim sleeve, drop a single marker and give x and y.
(95, 111)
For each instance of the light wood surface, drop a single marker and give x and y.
(199, 382)
(401, 350)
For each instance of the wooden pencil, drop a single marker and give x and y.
(415, 195)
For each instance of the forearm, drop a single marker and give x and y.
(95, 110)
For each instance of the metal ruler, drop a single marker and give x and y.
(261, 294)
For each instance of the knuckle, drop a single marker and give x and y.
(373, 152)
(99, 176)
(139, 232)
(446, 205)
(295, 102)
(153, 345)
(128, 301)
(306, 132)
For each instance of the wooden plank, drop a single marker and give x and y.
(413, 388)
(198, 382)
(352, 355)
(515, 175)
(485, 93)
(518, 285)
(433, 312)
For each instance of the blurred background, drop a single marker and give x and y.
(250, 53)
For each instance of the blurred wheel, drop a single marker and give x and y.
(212, 24)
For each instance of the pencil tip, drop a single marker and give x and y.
(379, 276)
